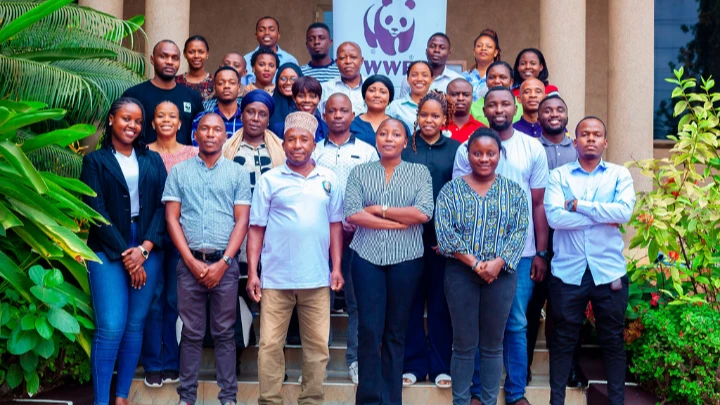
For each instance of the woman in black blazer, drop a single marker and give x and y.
(129, 181)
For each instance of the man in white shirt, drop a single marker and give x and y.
(524, 162)
(437, 52)
(349, 61)
(296, 223)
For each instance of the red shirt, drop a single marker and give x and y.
(462, 134)
(550, 88)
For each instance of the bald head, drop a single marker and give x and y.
(349, 61)
(532, 91)
(338, 116)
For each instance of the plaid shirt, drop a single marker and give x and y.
(232, 124)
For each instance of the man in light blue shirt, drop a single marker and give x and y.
(586, 201)
(437, 52)
(267, 32)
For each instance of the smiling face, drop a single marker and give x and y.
(227, 86)
(196, 54)
(236, 61)
(126, 124)
(590, 139)
(391, 139)
(286, 80)
(460, 92)
(499, 75)
(485, 50)
(438, 51)
(338, 113)
(307, 101)
(377, 97)
(419, 78)
(264, 69)
(529, 65)
(553, 116)
(484, 156)
(500, 109)
(431, 118)
(349, 61)
(210, 134)
(532, 91)
(255, 118)
(298, 145)
(267, 33)
(166, 121)
(166, 60)
(318, 42)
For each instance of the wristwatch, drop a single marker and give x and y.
(384, 209)
(228, 260)
(543, 254)
(143, 251)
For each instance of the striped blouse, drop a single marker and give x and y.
(488, 227)
(410, 186)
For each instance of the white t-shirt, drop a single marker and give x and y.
(131, 171)
(525, 163)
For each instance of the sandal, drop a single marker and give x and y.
(409, 379)
(443, 381)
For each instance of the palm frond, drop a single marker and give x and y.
(53, 158)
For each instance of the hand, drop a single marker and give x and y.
(348, 228)
(253, 287)
(374, 210)
(436, 249)
(138, 278)
(132, 259)
(400, 226)
(336, 281)
(491, 269)
(479, 269)
(197, 267)
(214, 274)
(538, 269)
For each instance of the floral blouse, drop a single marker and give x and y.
(206, 88)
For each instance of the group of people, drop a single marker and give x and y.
(463, 199)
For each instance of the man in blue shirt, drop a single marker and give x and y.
(226, 103)
(585, 201)
(267, 32)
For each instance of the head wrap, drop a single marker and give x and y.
(301, 120)
(283, 104)
(258, 96)
(382, 79)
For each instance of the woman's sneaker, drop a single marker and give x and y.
(170, 377)
(353, 372)
(154, 379)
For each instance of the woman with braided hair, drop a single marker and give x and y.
(430, 146)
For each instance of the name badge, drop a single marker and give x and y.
(187, 107)
(327, 187)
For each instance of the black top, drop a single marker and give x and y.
(187, 100)
(102, 173)
(438, 158)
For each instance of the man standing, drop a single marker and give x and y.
(463, 124)
(437, 52)
(165, 60)
(586, 201)
(237, 62)
(207, 202)
(227, 104)
(526, 164)
(296, 225)
(267, 32)
(349, 60)
(341, 152)
(318, 43)
(532, 91)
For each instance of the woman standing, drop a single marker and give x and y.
(282, 96)
(378, 92)
(430, 356)
(487, 50)
(307, 93)
(482, 223)
(160, 353)
(530, 62)
(128, 181)
(388, 201)
(420, 77)
(264, 63)
(498, 74)
(197, 52)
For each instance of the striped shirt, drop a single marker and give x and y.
(410, 186)
(488, 227)
(321, 73)
(232, 124)
(343, 158)
(207, 196)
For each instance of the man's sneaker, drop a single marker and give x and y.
(170, 377)
(353, 372)
(153, 379)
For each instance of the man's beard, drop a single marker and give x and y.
(164, 76)
(554, 131)
(500, 127)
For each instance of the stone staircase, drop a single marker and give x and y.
(338, 387)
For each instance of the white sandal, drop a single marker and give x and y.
(443, 378)
(409, 379)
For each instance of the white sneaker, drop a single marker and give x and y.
(353, 372)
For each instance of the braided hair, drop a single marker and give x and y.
(445, 102)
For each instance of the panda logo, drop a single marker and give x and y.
(390, 25)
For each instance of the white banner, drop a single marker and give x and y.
(391, 33)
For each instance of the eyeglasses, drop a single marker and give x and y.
(286, 79)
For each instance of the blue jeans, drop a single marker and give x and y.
(160, 346)
(120, 312)
(351, 302)
(515, 342)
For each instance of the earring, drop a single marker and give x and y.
(109, 124)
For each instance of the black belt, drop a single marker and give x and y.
(134, 219)
(208, 257)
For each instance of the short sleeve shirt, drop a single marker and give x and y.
(338, 86)
(343, 158)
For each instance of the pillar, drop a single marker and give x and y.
(167, 20)
(562, 42)
(630, 84)
(112, 7)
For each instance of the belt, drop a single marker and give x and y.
(134, 219)
(208, 257)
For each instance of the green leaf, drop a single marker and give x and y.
(7, 218)
(69, 53)
(680, 107)
(86, 323)
(52, 298)
(63, 321)
(43, 328)
(653, 250)
(62, 137)
(28, 361)
(22, 341)
(81, 298)
(45, 349)
(23, 120)
(53, 278)
(37, 274)
(70, 243)
(5, 115)
(73, 185)
(14, 376)
(32, 382)
(17, 279)
(22, 107)
(38, 241)
(42, 213)
(78, 271)
(27, 322)
(31, 17)
(22, 164)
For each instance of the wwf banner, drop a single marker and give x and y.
(391, 33)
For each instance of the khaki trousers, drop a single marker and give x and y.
(313, 306)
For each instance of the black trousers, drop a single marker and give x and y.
(568, 304)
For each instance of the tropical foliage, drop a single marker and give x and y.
(41, 222)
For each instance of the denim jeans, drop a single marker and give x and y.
(351, 302)
(515, 342)
(479, 313)
(160, 351)
(120, 312)
(384, 296)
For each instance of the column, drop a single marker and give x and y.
(630, 84)
(562, 42)
(112, 7)
(167, 20)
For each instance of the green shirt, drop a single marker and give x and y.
(476, 110)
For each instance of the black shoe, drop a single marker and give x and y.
(153, 379)
(529, 376)
(576, 379)
(170, 377)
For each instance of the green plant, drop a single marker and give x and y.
(680, 217)
(678, 355)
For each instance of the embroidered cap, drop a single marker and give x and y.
(301, 120)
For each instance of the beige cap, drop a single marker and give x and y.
(301, 120)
